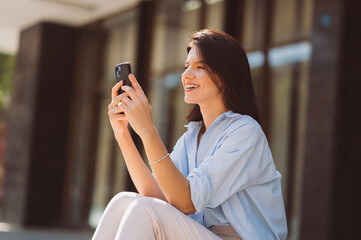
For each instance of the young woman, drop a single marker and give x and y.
(220, 181)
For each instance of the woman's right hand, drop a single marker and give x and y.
(118, 120)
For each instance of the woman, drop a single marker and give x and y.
(220, 181)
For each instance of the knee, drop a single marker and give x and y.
(146, 205)
(139, 208)
(144, 201)
(122, 198)
(124, 195)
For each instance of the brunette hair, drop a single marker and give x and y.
(227, 65)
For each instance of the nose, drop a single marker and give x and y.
(188, 73)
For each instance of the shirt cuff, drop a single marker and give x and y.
(199, 186)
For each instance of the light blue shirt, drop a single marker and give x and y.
(232, 177)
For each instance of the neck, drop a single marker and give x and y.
(210, 113)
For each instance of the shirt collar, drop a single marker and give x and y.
(196, 124)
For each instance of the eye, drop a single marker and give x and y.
(201, 67)
(185, 67)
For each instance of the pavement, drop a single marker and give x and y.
(8, 232)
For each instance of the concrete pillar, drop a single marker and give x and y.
(38, 125)
(331, 203)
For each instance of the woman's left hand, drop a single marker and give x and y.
(137, 109)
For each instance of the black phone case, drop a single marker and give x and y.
(122, 72)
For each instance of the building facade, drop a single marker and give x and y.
(63, 164)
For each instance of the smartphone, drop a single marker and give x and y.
(122, 71)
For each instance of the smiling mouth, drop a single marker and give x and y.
(189, 87)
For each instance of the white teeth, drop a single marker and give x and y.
(188, 86)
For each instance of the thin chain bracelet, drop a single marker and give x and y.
(160, 159)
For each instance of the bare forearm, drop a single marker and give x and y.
(138, 113)
(139, 172)
(172, 182)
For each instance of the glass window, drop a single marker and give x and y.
(292, 20)
(289, 75)
(175, 23)
(256, 73)
(285, 20)
(288, 55)
(288, 101)
(253, 26)
(306, 18)
(288, 104)
(82, 129)
(214, 15)
(280, 117)
(111, 174)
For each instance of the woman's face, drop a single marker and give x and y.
(198, 86)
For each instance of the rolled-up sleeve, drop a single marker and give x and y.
(233, 166)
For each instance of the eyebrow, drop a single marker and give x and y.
(201, 61)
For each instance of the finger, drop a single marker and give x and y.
(118, 110)
(120, 97)
(116, 88)
(118, 117)
(115, 110)
(125, 102)
(117, 99)
(123, 106)
(135, 84)
(130, 91)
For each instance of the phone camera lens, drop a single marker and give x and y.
(118, 71)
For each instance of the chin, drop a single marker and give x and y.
(189, 101)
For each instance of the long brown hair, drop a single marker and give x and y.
(225, 58)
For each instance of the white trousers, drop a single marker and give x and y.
(131, 216)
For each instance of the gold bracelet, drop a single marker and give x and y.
(160, 159)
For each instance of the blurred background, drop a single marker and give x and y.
(59, 162)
